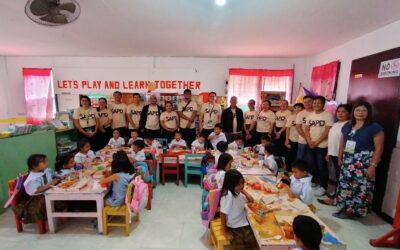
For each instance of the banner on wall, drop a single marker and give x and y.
(106, 81)
(324, 79)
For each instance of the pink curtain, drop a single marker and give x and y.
(247, 84)
(38, 95)
(323, 79)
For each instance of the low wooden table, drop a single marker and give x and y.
(86, 194)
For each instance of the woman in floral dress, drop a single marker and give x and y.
(359, 154)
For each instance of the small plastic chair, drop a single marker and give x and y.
(169, 165)
(119, 211)
(21, 195)
(216, 236)
(192, 164)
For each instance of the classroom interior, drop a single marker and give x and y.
(259, 49)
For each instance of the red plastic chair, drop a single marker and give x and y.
(22, 194)
(170, 165)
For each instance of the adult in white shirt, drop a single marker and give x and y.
(280, 127)
(133, 112)
(210, 115)
(169, 121)
(105, 121)
(217, 136)
(118, 110)
(150, 118)
(292, 136)
(187, 110)
(319, 122)
(301, 120)
(265, 121)
(249, 133)
(343, 112)
(232, 120)
(86, 121)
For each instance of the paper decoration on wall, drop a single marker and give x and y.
(151, 86)
(324, 79)
(203, 97)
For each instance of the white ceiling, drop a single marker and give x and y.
(273, 28)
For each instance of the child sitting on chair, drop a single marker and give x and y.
(39, 180)
(300, 182)
(138, 154)
(178, 142)
(260, 148)
(85, 156)
(234, 223)
(199, 143)
(237, 144)
(150, 142)
(217, 136)
(269, 158)
(121, 170)
(116, 141)
(134, 137)
(63, 165)
(307, 233)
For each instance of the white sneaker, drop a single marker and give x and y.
(320, 191)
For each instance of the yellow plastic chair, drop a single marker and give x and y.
(119, 211)
(216, 237)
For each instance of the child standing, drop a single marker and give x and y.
(134, 137)
(235, 225)
(38, 181)
(217, 136)
(224, 164)
(199, 143)
(237, 144)
(121, 175)
(116, 141)
(85, 156)
(138, 152)
(300, 182)
(307, 233)
(178, 142)
(63, 165)
(269, 158)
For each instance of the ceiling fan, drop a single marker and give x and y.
(52, 12)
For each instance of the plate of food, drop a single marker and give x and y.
(249, 163)
(270, 188)
(66, 184)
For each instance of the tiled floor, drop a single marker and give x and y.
(173, 223)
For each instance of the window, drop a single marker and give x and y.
(39, 95)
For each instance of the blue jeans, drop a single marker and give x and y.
(301, 151)
(317, 165)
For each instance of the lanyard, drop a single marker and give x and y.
(212, 109)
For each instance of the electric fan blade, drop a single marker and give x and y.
(68, 7)
(58, 18)
(39, 7)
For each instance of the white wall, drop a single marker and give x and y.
(379, 40)
(3, 92)
(212, 71)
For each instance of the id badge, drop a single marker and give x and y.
(350, 147)
(209, 122)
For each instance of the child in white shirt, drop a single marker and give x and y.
(116, 141)
(85, 156)
(224, 164)
(63, 165)
(237, 144)
(260, 148)
(137, 152)
(217, 136)
(269, 158)
(307, 233)
(134, 137)
(199, 143)
(178, 142)
(150, 142)
(300, 182)
(234, 224)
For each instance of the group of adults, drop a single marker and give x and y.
(351, 141)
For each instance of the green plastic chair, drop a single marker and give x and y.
(193, 167)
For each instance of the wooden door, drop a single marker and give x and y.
(384, 95)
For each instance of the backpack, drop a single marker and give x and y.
(207, 161)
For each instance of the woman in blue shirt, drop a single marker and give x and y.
(360, 152)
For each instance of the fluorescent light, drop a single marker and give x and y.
(220, 2)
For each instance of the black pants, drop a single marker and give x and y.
(334, 160)
(93, 140)
(167, 134)
(259, 135)
(189, 135)
(206, 133)
(251, 142)
(104, 138)
(317, 166)
(123, 131)
(280, 144)
(152, 133)
(291, 155)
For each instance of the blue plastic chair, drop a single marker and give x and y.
(162, 141)
(193, 167)
(145, 170)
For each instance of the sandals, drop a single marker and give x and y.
(323, 201)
